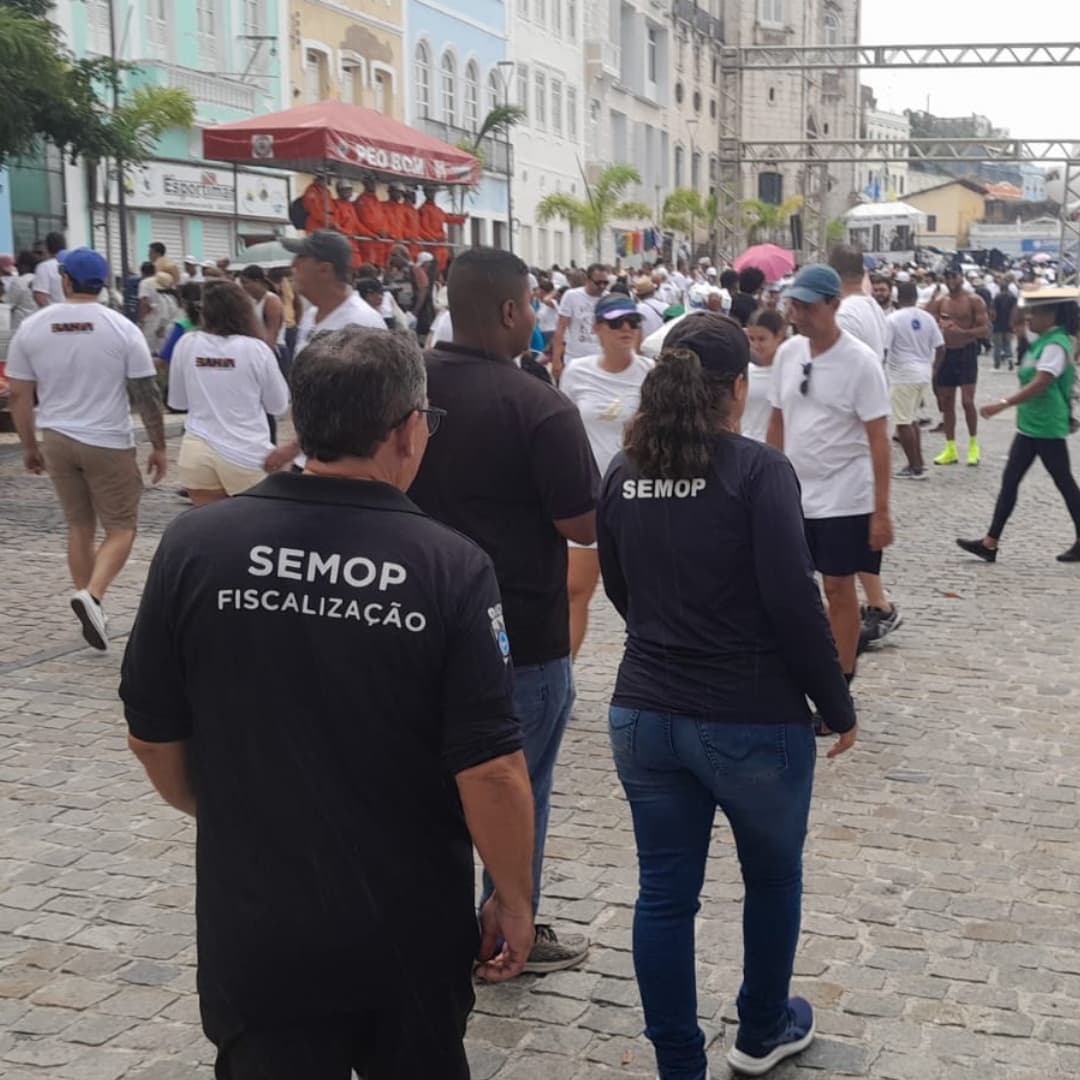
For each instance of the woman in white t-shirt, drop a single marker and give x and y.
(606, 389)
(227, 379)
(767, 331)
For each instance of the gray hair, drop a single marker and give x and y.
(352, 387)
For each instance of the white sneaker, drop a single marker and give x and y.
(92, 616)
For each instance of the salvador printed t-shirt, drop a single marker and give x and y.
(335, 658)
(606, 400)
(724, 619)
(579, 307)
(913, 336)
(227, 385)
(825, 428)
(81, 356)
(510, 459)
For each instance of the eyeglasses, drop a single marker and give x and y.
(804, 386)
(601, 284)
(434, 418)
(633, 321)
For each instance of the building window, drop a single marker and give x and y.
(697, 61)
(714, 169)
(771, 12)
(770, 186)
(678, 93)
(541, 99)
(931, 223)
(423, 81)
(772, 95)
(901, 185)
(539, 12)
(556, 17)
(495, 89)
(472, 96)
(523, 88)
(523, 8)
(712, 109)
(156, 28)
(715, 71)
(652, 55)
(315, 75)
(697, 101)
(571, 19)
(680, 165)
(556, 106)
(207, 22)
(571, 113)
(448, 88)
(97, 24)
(832, 28)
(252, 16)
(352, 81)
(380, 96)
(695, 170)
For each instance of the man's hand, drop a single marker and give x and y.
(987, 411)
(844, 742)
(518, 935)
(33, 460)
(881, 530)
(157, 465)
(282, 456)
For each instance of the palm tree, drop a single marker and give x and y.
(683, 208)
(604, 203)
(498, 122)
(764, 220)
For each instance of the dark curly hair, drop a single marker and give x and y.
(227, 310)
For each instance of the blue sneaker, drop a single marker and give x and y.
(750, 1060)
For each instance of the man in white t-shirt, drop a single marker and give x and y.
(861, 316)
(88, 365)
(321, 273)
(913, 342)
(830, 416)
(575, 335)
(47, 286)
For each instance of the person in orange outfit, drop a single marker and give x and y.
(345, 219)
(433, 222)
(369, 209)
(412, 231)
(318, 205)
(393, 214)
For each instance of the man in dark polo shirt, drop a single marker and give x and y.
(320, 674)
(512, 469)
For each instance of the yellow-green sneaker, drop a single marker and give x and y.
(973, 452)
(948, 456)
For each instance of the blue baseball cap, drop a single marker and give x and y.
(614, 306)
(813, 284)
(86, 268)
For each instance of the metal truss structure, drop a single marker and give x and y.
(736, 154)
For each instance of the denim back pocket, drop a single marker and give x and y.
(752, 752)
(622, 727)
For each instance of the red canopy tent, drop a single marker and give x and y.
(343, 140)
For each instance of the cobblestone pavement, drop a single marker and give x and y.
(942, 870)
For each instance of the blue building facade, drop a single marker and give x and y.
(453, 80)
(231, 57)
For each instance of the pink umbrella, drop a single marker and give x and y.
(774, 262)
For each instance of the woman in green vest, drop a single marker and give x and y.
(1043, 414)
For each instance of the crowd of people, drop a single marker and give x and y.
(708, 446)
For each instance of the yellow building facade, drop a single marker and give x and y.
(951, 209)
(348, 50)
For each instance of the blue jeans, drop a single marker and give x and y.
(543, 700)
(676, 771)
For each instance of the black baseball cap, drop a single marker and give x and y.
(324, 246)
(718, 341)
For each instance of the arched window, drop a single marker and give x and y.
(448, 88)
(680, 166)
(472, 96)
(495, 90)
(832, 28)
(423, 80)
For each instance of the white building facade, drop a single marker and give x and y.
(886, 180)
(546, 77)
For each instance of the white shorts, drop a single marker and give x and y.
(201, 468)
(906, 399)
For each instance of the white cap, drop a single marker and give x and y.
(711, 271)
(191, 259)
(425, 257)
(903, 276)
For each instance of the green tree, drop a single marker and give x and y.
(604, 202)
(496, 125)
(835, 232)
(765, 221)
(683, 209)
(53, 97)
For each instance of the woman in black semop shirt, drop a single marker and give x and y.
(703, 553)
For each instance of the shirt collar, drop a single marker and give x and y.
(334, 491)
(468, 351)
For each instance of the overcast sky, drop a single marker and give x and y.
(1040, 103)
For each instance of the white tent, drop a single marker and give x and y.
(886, 214)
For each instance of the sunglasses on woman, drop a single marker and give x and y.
(633, 321)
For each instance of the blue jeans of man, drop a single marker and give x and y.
(543, 700)
(676, 771)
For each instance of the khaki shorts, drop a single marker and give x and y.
(906, 399)
(94, 483)
(202, 468)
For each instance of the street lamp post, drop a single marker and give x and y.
(121, 195)
(691, 126)
(506, 71)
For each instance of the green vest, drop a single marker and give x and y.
(1046, 416)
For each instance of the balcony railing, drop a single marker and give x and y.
(205, 89)
(709, 25)
(603, 58)
(497, 153)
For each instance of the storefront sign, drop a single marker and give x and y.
(198, 189)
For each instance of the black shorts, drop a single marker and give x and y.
(960, 367)
(840, 546)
